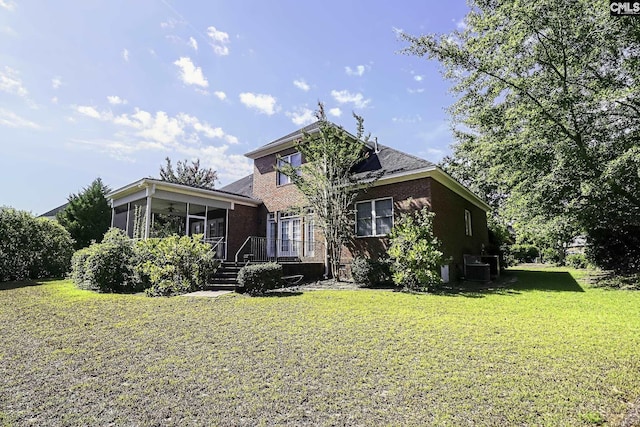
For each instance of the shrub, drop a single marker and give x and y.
(107, 266)
(256, 279)
(371, 272)
(415, 252)
(175, 265)
(524, 253)
(32, 248)
(577, 260)
(162, 267)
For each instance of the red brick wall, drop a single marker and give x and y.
(407, 196)
(243, 222)
(275, 197)
(449, 226)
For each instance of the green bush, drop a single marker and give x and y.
(32, 248)
(577, 260)
(415, 251)
(371, 272)
(107, 266)
(169, 266)
(175, 264)
(524, 253)
(256, 279)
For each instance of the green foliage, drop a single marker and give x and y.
(371, 272)
(176, 264)
(256, 279)
(107, 266)
(328, 180)
(88, 215)
(415, 251)
(162, 267)
(576, 261)
(615, 247)
(524, 253)
(548, 119)
(629, 282)
(32, 248)
(189, 174)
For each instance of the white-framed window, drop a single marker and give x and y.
(309, 234)
(468, 229)
(374, 217)
(294, 160)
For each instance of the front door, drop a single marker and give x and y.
(216, 230)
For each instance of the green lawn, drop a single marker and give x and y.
(546, 351)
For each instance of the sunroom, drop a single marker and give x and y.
(154, 208)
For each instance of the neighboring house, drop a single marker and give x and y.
(53, 212)
(262, 216)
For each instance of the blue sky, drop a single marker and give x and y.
(111, 88)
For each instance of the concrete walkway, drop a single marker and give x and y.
(207, 294)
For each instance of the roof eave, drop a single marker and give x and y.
(439, 175)
(148, 182)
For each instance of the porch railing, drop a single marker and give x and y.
(262, 249)
(218, 245)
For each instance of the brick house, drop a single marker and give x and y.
(262, 217)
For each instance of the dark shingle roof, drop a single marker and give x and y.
(307, 128)
(391, 161)
(53, 211)
(241, 187)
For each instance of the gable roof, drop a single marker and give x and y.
(53, 212)
(396, 166)
(391, 161)
(241, 187)
(287, 141)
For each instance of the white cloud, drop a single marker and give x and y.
(182, 134)
(302, 85)
(11, 119)
(335, 112)
(56, 82)
(219, 41)
(265, 104)
(193, 43)
(412, 91)
(220, 95)
(88, 111)
(8, 31)
(344, 97)
(171, 23)
(410, 119)
(302, 116)
(7, 4)
(461, 25)
(54, 100)
(10, 82)
(125, 54)
(190, 74)
(417, 78)
(358, 71)
(116, 100)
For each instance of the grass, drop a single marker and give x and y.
(549, 350)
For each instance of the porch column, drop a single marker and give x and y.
(147, 219)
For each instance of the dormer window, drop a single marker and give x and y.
(294, 160)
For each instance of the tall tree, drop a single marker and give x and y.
(188, 174)
(87, 215)
(548, 114)
(329, 181)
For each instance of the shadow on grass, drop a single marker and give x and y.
(514, 282)
(5, 286)
(281, 293)
(559, 281)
